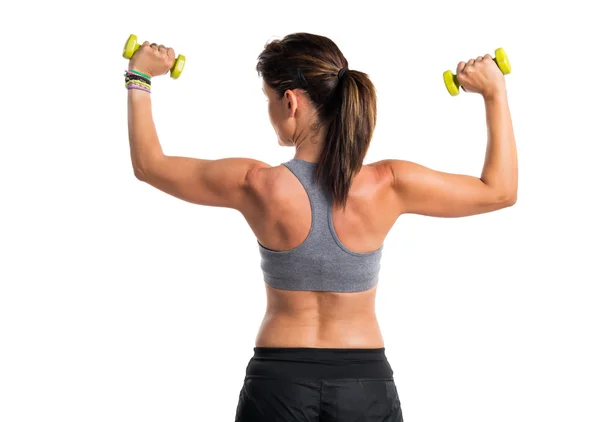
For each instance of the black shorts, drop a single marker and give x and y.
(318, 385)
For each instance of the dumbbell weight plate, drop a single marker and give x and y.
(178, 67)
(451, 83)
(130, 47)
(502, 61)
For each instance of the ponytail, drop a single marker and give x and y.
(351, 127)
(345, 101)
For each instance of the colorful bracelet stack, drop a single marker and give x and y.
(137, 80)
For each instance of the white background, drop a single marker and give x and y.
(121, 303)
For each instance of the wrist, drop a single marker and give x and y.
(137, 81)
(498, 94)
(138, 95)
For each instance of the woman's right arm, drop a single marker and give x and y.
(425, 191)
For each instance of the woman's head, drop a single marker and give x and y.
(300, 77)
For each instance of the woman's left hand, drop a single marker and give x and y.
(152, 59)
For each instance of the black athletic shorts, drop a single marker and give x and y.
(318, 385)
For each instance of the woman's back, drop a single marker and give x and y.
(281, 220)
(320, 221)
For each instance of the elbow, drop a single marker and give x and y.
(140, 174)
(144, 169)
(507, 199)
(512, 200)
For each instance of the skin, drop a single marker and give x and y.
(382, 191)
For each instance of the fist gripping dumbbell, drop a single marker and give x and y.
(451, 81)
(131, 46)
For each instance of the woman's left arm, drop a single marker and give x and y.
(219, 183)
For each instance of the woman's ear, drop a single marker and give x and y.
(291, 102)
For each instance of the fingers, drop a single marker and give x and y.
(146, 45)
(471, 73)
(477, 60)
(465, 67)
(160, 52)
(154, 46)
(171, 53)
(168, 51)
(468, 66)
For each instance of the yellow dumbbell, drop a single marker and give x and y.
(451, 81)
(131, 46)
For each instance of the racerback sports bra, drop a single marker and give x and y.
(321, 262)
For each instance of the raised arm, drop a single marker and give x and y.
(425, 191)
(221, 183)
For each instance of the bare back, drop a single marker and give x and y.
(281, 221)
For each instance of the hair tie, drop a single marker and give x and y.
(342, 71)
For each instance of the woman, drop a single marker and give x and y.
(321, 219)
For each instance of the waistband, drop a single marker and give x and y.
(319, 363)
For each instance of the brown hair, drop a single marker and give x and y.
(346, 105)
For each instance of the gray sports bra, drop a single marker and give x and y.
(321, 262)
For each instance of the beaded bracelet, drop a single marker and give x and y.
(137, 80)
(138, 85)
(136, 77)
(141, 88)
(140, 73)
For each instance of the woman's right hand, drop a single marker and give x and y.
(481, 75)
